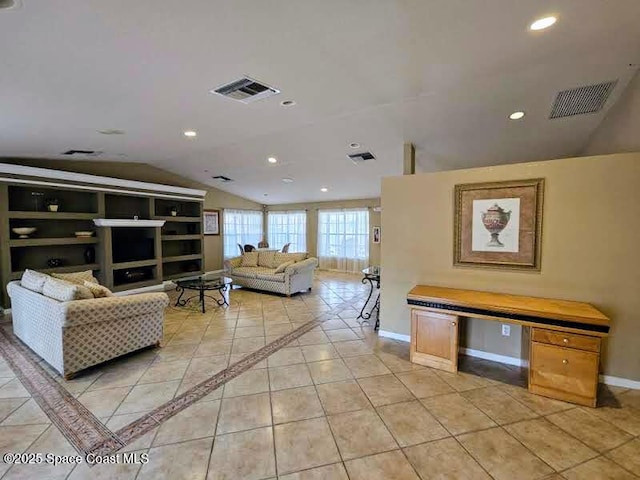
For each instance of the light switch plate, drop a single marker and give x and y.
(506, 330)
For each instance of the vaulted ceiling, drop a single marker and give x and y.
(444, 75)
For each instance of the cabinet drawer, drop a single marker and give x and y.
(570, 340)
(564, 369)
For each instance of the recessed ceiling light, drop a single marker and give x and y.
(272, 160)
(516, 115)
(543, 23)
(9, 4)
(287, 180)
(324, 189)
(287, 103)
(190, 133)
(354, 145)
(111, 131)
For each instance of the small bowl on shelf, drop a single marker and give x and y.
(23, 232)
(83, 234)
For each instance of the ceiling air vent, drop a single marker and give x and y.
(246, 90)
(358, 158)
(580, 100)
(83, 153)
(222, 178)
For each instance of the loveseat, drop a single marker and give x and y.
(285, 273)
(76, 334)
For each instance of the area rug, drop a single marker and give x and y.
(84, 431)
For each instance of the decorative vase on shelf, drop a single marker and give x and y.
(495, 219)
(55, 262)
(89, 255)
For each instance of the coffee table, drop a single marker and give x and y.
(202, 285)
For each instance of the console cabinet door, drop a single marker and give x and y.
(434, 340)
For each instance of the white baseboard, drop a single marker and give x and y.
(518, 362)
(395, 336)
(619, 382)
(494, 357)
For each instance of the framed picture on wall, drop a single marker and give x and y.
(376, 234)
(211, 222)
(499, 224)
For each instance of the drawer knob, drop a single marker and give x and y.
(565, 340)
(453, 324)
(565, 361)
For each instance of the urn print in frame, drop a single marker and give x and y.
(211, 222)
(499, 224)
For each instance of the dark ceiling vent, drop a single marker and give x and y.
(246, 90)
(222, 178)
(358, 158)
(580, 100)
(83, 153)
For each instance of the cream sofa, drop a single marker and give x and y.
(297, 277)
(71, 336)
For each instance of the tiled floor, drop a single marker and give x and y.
(338, 403)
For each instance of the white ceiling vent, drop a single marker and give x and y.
(580, 100)
(222, 178)
(246, 90)
(82, 153)
(359, 158)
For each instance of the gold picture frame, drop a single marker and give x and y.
(499, 224)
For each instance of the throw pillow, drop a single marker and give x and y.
(280, 258)
(33, 280)
(97, 290)
(300, 256)
(65, 291)
(282, 267)
(250, 259)
(77, 277)
(265, 258)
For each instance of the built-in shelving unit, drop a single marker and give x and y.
(181, 238)
(123, 255)
(53, 246)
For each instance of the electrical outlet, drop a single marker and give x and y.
(506, 330)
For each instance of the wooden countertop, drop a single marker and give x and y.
(514, 304)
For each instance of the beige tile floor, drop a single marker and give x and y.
(338, 403)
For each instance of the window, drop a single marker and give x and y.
(343, 239)
(241, 227)
(288, 227)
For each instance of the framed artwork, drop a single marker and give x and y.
(376, 234)
(211, 222)
(499, 224)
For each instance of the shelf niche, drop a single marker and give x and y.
(29, 199)
(127, 206)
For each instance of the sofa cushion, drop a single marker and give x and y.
(247, 272)
(250, 259)
(273, 277)
(282, 267)
(34, 281)
(77, 277)
(265, 258)
(98, 290)
(281, 258)
(65, 291)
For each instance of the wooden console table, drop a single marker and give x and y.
(565, 340)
